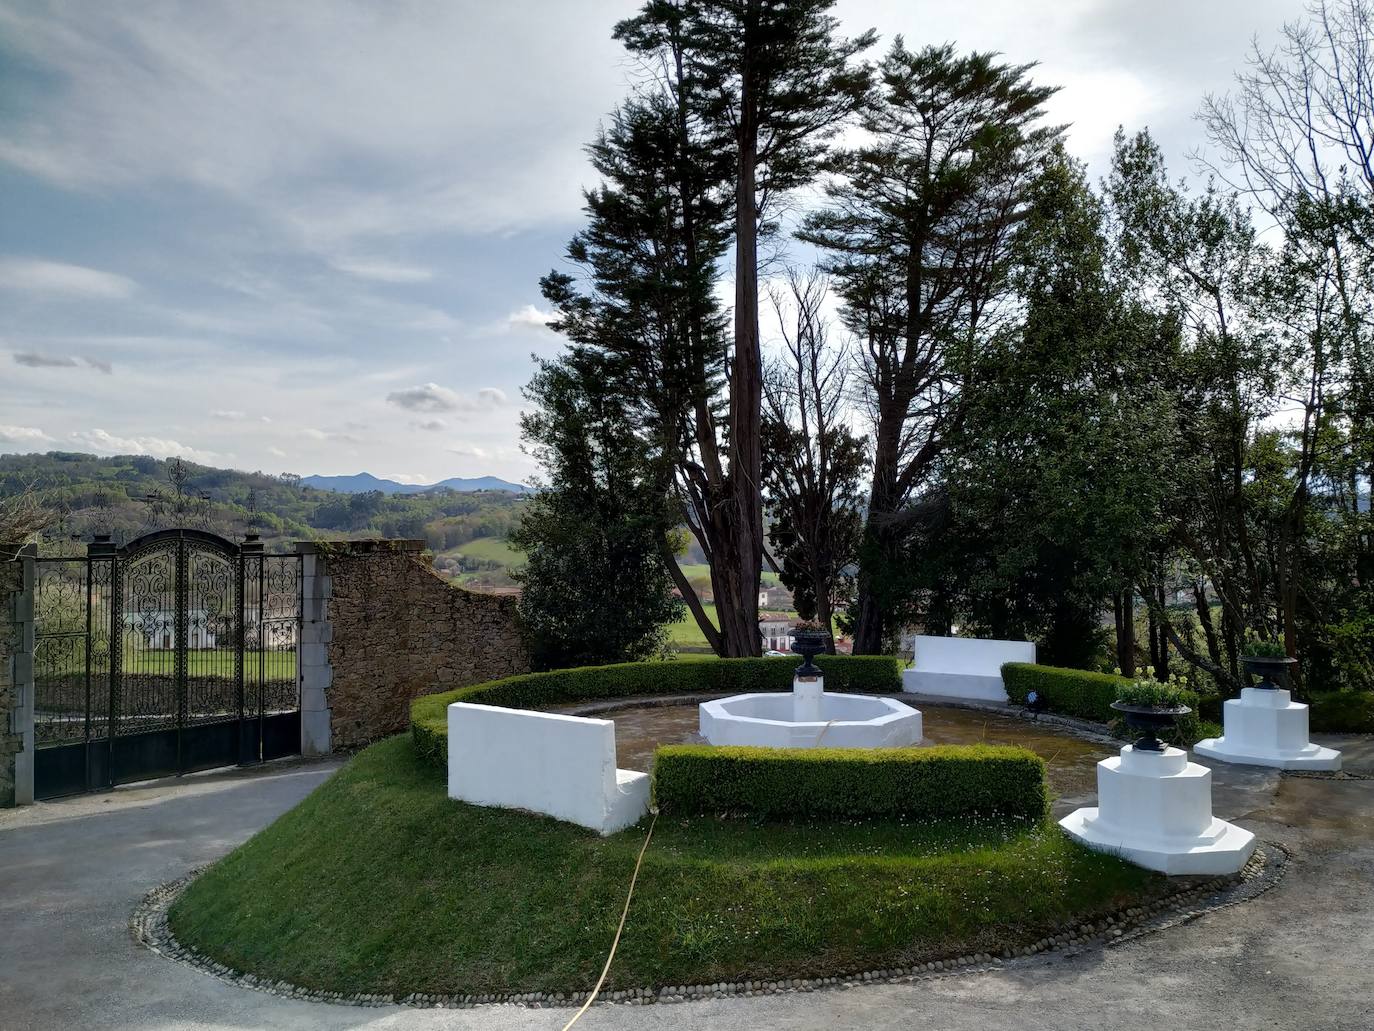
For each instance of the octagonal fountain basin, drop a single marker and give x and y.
(839, 721)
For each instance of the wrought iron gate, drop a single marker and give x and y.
(172, 654)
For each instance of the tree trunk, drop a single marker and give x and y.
(739, 614)
(1123, 605)
(1162, 664)
(869, 627)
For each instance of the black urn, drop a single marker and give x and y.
(1149, 720)
(808, 642)
(1272, 671)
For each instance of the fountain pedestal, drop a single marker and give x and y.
(1265, 727)
(807, 693)
(1155, 809)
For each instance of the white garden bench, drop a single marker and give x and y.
(963, 667)
(561, 766)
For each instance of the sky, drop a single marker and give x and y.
(307, 236)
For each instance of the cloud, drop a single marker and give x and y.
(34, 360)
(34, 275)
(336, 436)
(467, 451)
(427, 397)
(430, 397)
(38, 360)
(407, 478)
(383, 271)
(22, 435)
(103, 442)
(229, 415)
(431, 425)
(530, 317)
(276, 452)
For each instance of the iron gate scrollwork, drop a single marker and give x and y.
(173, 654)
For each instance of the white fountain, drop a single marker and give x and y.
(810, 717)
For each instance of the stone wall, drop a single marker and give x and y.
(16, 675)
(382, 628)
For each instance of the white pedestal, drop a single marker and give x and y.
(806, 699)
(1266, 727)
(1155, 809)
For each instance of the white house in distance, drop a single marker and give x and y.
(773, 628)
(156, 628)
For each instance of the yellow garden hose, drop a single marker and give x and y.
(615, 944)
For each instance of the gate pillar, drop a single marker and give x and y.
(315, 672)
(16, 674)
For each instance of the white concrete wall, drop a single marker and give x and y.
(963, 667)
(561, 766)
(969, 655)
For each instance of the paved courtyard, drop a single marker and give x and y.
(1298, 957)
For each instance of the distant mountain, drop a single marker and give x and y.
(363, 482)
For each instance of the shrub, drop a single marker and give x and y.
(1341, 712)
(1088, 696)
(1152, 692)
(1069, 692)
(1261, 648)
(867, 674)
(936, 782)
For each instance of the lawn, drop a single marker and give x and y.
(491, 549)
(701, 571)
(378, 882)
(277, 665)
(686, 634)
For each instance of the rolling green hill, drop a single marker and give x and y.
(126, 494)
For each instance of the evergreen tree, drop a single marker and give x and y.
(595, 589)
(919, 228)
(767, 82)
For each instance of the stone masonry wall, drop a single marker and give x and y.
(398, 631)
(16, 675)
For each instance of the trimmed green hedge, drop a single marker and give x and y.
(1069, 692)
(1089, 696)
(937, 782)
(863, 674)
(1341, 712)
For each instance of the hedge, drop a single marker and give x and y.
(866, 674)
(1341, 712)
(1069, 692)
(937, 782)
(1089, 696)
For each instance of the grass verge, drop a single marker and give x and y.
(378, 882)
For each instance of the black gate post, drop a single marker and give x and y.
(250, 643)
(102, 571)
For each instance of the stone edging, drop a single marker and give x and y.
(1263, 871)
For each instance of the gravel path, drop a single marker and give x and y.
(72, 872)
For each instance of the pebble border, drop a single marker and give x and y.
(149, 928)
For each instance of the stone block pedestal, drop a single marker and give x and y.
(1265, 727)
(1155, 809)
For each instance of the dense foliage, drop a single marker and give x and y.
(860, 674)
(596, 587)
(938, 782)
(1132, 396)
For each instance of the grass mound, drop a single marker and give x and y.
(378, 882)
